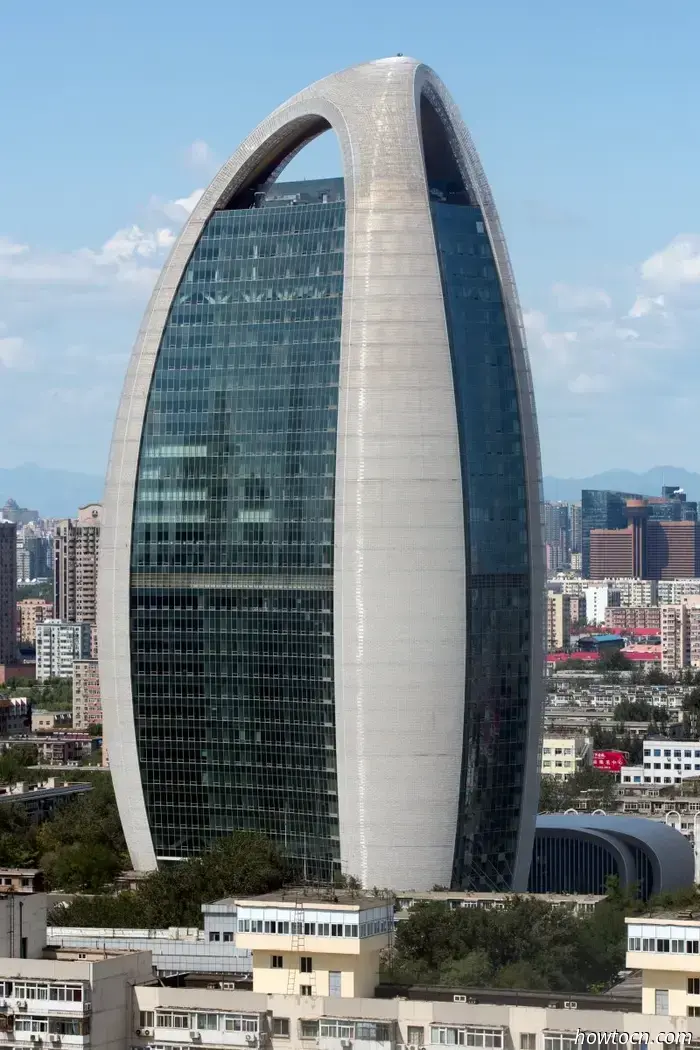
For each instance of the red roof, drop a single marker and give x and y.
(644, 632)
(647, 654)
(558, 658)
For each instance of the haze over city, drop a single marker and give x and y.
(595, 184)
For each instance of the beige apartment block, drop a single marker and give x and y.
(314, 946)
(76, 553)
(558, 622)
(667, 951)
(680, 634)
(87, 702)
(30, 612)
(8, 592)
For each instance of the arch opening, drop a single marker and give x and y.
(445, 179)
(265, 167)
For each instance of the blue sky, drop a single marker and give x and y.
(585, 116)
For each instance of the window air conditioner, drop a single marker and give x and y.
(55, 1037)
(195, 1035)
(251, 1040)
(21, 1006)
(346, 1044)
(459, 998)
(570, 1004)
(145, 1031)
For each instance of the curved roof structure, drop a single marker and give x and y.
(417, 721)
(648, 853)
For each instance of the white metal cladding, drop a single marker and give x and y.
(399, 577)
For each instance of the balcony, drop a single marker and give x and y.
(201, 1037)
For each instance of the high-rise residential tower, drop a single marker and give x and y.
(321, 576)
(8, 592)
(76, 553)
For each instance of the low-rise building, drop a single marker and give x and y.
(666, 949)
(15, 715)
(48, 721)
(562, 756)
(41, 801)
(21, 880)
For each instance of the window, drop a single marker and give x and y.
(165, 1019)
(692, 947)
(207, 1022)
(280, 1026)
(304, 989)
(276, 962)
(228, 936)
(528, 1041)
(676, 946)
(560, 1041)
(662, 945)
(336, 930)
(308, 1029)
(309, 929)
(484, 1037)
(214, 935)
(240, 1023)
(31, 1024)
(415, 1034)
(694, 986)
(694, 1011)
(307, 964)
(634, 944)
(351, 931)
(146, 1019)
(661, 1001)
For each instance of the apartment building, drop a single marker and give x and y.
(87, 702)
(665, 762)
(76, 553)
(30, 612)
(680, 634)
(558, 622)
(666, 948)
(631, 618)
(8, 592)
(562, 756)
(58, 644)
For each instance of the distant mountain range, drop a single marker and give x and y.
(647, 484)
(54, 493)
(59, 493)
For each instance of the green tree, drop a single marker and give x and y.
(15, 762)
(54, 694)
(243, 864)
(691, 712)
(79, 868)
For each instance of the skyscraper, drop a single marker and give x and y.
(601, 509)
(321, 576)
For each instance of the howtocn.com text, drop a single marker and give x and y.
(640, 1039)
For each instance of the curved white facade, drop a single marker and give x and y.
(400, 575)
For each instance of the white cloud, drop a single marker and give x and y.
(201, 155)
(574, 297)
(644, 305)
(588, 384)
(8, 247)
(181, 209)
(676, 265)
(14, 353)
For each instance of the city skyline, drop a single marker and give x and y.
(326, 470)
(608, 284)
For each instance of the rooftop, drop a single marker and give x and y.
(306, 897)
